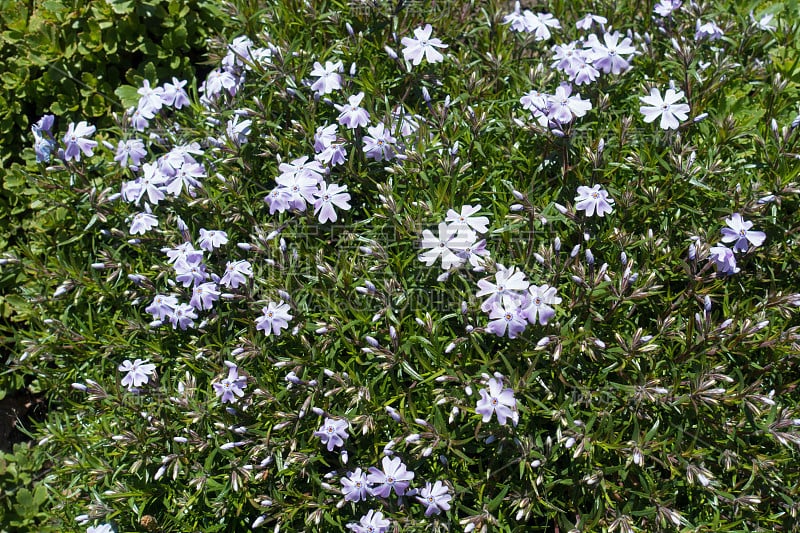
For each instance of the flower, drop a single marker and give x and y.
(162, 306)
(328, 76)
(724, 260)
(102, 528)
(174, 94)
(132, 149)
(587, 21)
(593, 198)
(76, 141)
(739, 230)
(667, 108)
(608, 55)
(394, 476)
(210, 239)
(446, 246)
(466, 220)
(237, 131)
(709, 31)
(204, 295)
(539, 24)
(435, 498)
(509, 281)
(150, 100)
(138, 372)
(422, 46)
(539, 304)
(378, 145)
(351, 114)
(665, 8)
(333, 433)
(507, 316)
(182, 316)
(232, 386)
(236, 273)
(372, 522)
(563, 106)
(355, 486)
(329, 196)
(142, 223)
(499, 401)
(275, 317)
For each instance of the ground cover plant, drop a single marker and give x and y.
(425, 266)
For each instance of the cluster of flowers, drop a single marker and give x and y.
(152, 99)
(458, 241)
(242, 55)
(738, 232)
(76, 140)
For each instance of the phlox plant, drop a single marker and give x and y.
(435, 268)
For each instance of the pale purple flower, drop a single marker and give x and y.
(594, 198)
(541, 298)
(327, 197)
(333, 433)
(709, 31)
(508, 282)
(75, 141)
(724, 260)
(132, 149)
(187, 176)
(204, 295)
(102, 528)
(739, 230)
(182, 317)
(162, 306)
(189, 273)
(150, 98)
(142, 223)
(497, 400)
(236, 273)
(217, 81)
(324, 137)
(239, 53)
(422, 46)
(465, 219)
(232, 386)
(237, 131)
(539, 24)
(664, 8)
(140, 118)
(583, 72)
(588, 20)
(210, 239)
(668, 108)
(174, 94)
(183, 251)
(516, 19)
(274, 318)
(379, 144)
(435, 498)
(608, 56)
(299, 190)
(137, 373)
(351, 114)
(507, 317)
(151, 184)
(334, 154)
(372, 522)
(328, 76)
(473, 251)
(355, 486)
(301, 167)
(564, 106)
(278, 199)
(394, 476)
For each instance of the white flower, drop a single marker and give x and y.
(668, 108)
(138, 372)
(422, 46)
(447, 246)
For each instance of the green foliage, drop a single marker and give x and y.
(25, 497)
(639, 409)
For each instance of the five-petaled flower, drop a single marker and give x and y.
(538, 305)
(232, 386)
(75, 141)
(498, 400)
(435, 498)
(422, 46)
(739, 230)
(355, 486)
(593, 199)
(372, 522)
(137, 373)
(668, 108)
(274, 318)
(333, 433)
(394, 476)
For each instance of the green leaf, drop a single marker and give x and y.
(127, 95)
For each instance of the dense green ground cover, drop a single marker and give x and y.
(659, 396)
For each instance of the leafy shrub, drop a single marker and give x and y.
(658, 395)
